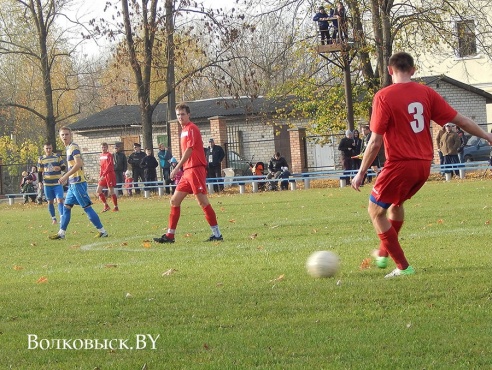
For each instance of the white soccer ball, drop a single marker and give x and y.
(323, 264)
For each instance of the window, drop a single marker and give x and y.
(467, 42)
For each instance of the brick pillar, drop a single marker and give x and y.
(175, 129)
(435, 128)
(298, 149)
(218, 132)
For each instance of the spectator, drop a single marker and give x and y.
(215, 155)
(323, 24)
(50, 170)
(450, 143)
(462, 136)
(135, 160)
(38, 185)
(438, 144)
(27, 187)
(178, 174)
(120, 166)
(129, 183)
(277, 162)
(150, 164)
(346, 147)
(107, 179)
(357, 150)
(165, 156)
(341, 23)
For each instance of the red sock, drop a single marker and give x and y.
(173, 220)
(389, 241)
(102, 197)
(397, 226)
(210, 215)
(115, 200)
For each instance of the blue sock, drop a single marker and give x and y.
(51, 209)
(65, 218)
(93, 217)
(60, 209)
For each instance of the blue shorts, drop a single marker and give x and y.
(77, 195)
(53, 192)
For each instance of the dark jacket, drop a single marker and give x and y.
(120, 164)
(346, 147)
(149, 164)
(214, 155)
(320, 18)
(276, 165)
(136, 158)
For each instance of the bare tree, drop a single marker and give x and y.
(167, 38)
(29, 33)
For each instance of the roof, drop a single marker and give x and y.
(127, 115)
(429, 80)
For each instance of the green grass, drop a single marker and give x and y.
(227, 305)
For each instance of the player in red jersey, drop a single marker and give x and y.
(401, 119)
(107, 178)
(193, 180)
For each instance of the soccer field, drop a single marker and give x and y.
(124, 302)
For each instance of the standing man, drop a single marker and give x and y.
(347, 146)
(401, 118)
(193, 180)
(150, 164)
(77, 188)
(450, 144)
(120, 166)
(50, 167)
(215, 155)
(107, 178)
(135, 160)
(165, 162)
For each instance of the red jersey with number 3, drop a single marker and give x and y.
(192, 138)
(402, 113)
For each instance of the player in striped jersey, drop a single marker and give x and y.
(50, 167)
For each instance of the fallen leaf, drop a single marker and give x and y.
(42, 279)
(146, 244)
(75, 246)
(232, 221)
(124, 244)
(440, 221)
(33, 244)
(276, 280)
(315, 231)
(260, 247)
(365, 264)
(487, 222)
(187, 235)
(18, 268)
(169, 272)
(219, 284)
(253, 236)
(274, 226)
(128, 295)
(206, 346)
(110, 265)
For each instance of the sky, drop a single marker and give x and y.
(95, 9)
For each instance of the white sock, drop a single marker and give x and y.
(216, 231)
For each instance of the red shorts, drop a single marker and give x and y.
(400, 180)
(109, 180)
(193, 181)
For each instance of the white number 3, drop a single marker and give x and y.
(417, 111)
